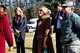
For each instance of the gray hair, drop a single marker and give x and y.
(49, 11)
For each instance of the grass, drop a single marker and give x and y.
(28, 43)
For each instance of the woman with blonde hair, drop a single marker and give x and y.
(42, 38)
(19, 25)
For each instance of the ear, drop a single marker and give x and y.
(72, 7)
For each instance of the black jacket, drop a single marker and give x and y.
(54, 21)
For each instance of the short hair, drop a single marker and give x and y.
(55, 4)
(3, 7)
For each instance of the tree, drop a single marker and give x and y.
(78, 0)
(48, 0)
(48, 5)
(77, 10)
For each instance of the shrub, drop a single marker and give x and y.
(77, 9)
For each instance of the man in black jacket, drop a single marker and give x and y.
(56, 21)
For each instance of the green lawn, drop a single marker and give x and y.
(28, 43)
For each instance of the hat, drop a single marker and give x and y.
(68, 3)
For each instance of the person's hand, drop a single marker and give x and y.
(60, 18)
(45, 45)
(17, 31)
(10, 48)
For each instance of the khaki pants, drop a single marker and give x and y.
(73, 47)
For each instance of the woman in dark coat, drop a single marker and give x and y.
(19, 25)
(5, 31)
(42, 38)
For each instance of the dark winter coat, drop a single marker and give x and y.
(40, 34)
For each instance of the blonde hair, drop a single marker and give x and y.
(44, 9)
(21, 12)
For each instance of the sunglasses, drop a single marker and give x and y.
(39, 10)
(65, 6)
